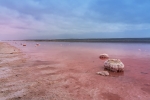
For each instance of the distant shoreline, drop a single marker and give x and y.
(124, 40)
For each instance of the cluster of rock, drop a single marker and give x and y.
(114, 65)
(26, 45)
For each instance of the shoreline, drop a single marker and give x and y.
(102, 40)
(68, 73)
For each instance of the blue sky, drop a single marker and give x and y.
(49, 19)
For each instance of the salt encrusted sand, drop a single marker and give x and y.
(66, 73)
(6, 48)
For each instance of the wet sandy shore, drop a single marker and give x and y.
(60, 72)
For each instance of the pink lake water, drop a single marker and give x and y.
(135, 56)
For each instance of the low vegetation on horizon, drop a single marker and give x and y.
(138, 40)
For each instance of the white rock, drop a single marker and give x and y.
(114, 65)
(104, 56)
(104, 73)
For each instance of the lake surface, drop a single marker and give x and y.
(135, 56)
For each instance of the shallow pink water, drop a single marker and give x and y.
(135, 56)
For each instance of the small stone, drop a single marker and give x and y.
(104, 73)
(2, 91)
(104, 56)
(19, 97)
(37, 44)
